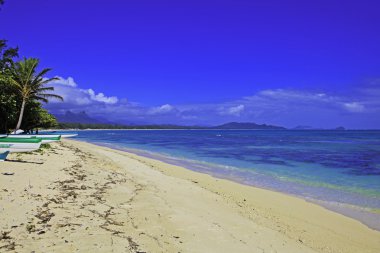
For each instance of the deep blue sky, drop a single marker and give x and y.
(203, 52)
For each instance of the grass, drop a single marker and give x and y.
(42, 149)
(45, 146)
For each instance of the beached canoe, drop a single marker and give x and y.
(68, 135)
(3, 155)
(45, 135)
(55, 135)
(62, 135)
(45, 138)
(16, 145)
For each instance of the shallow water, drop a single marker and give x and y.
(338, 168)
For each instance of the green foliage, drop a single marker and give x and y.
(37, 117)
(7, 56)
(46, 120)
(21, 86)
(45, 146)
(8, 107)
(8, 96)
(30, 84)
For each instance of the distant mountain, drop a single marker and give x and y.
(303, 128)
(81, 117)
(247, 125)
(82, 120)
(314, 128)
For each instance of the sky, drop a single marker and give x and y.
(287, 63)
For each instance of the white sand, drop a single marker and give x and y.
(78, 197)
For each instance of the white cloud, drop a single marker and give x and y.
(100, 97)
(295, 96)
(72, 94)
(69, 81)
(163, 109)
(309, 99)
(271, 106)
(234, 110)
(82, 101)
(354, 107)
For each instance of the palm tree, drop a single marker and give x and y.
(31, 85)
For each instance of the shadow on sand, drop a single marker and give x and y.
(19, 161)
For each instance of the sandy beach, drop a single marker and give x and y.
(79, 197)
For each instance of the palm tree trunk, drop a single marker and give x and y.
(21, 115)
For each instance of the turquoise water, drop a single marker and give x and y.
(332, 166)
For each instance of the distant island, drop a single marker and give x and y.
(340, 128)
(303, 128)
(81, 120)
(247, 125)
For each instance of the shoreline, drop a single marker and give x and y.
(126, 201)
(201, 129)
(370, 217)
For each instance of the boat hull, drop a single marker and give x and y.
(44, 137)
(47, 141)
(18, 147)
(34, 135)
(3, 155)
(68, 135)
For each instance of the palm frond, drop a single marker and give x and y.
(45, 88)
(31, 65)
(46, 81)
(46, 96)
(42, 73)
(31, 85)
(41, 99)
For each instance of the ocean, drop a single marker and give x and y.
(339, 170)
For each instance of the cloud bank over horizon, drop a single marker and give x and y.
(285, 107)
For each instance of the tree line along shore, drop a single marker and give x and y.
(23, 90)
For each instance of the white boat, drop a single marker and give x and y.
(45, 138)
(68, 135)
(45, 135)
(18, 145)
